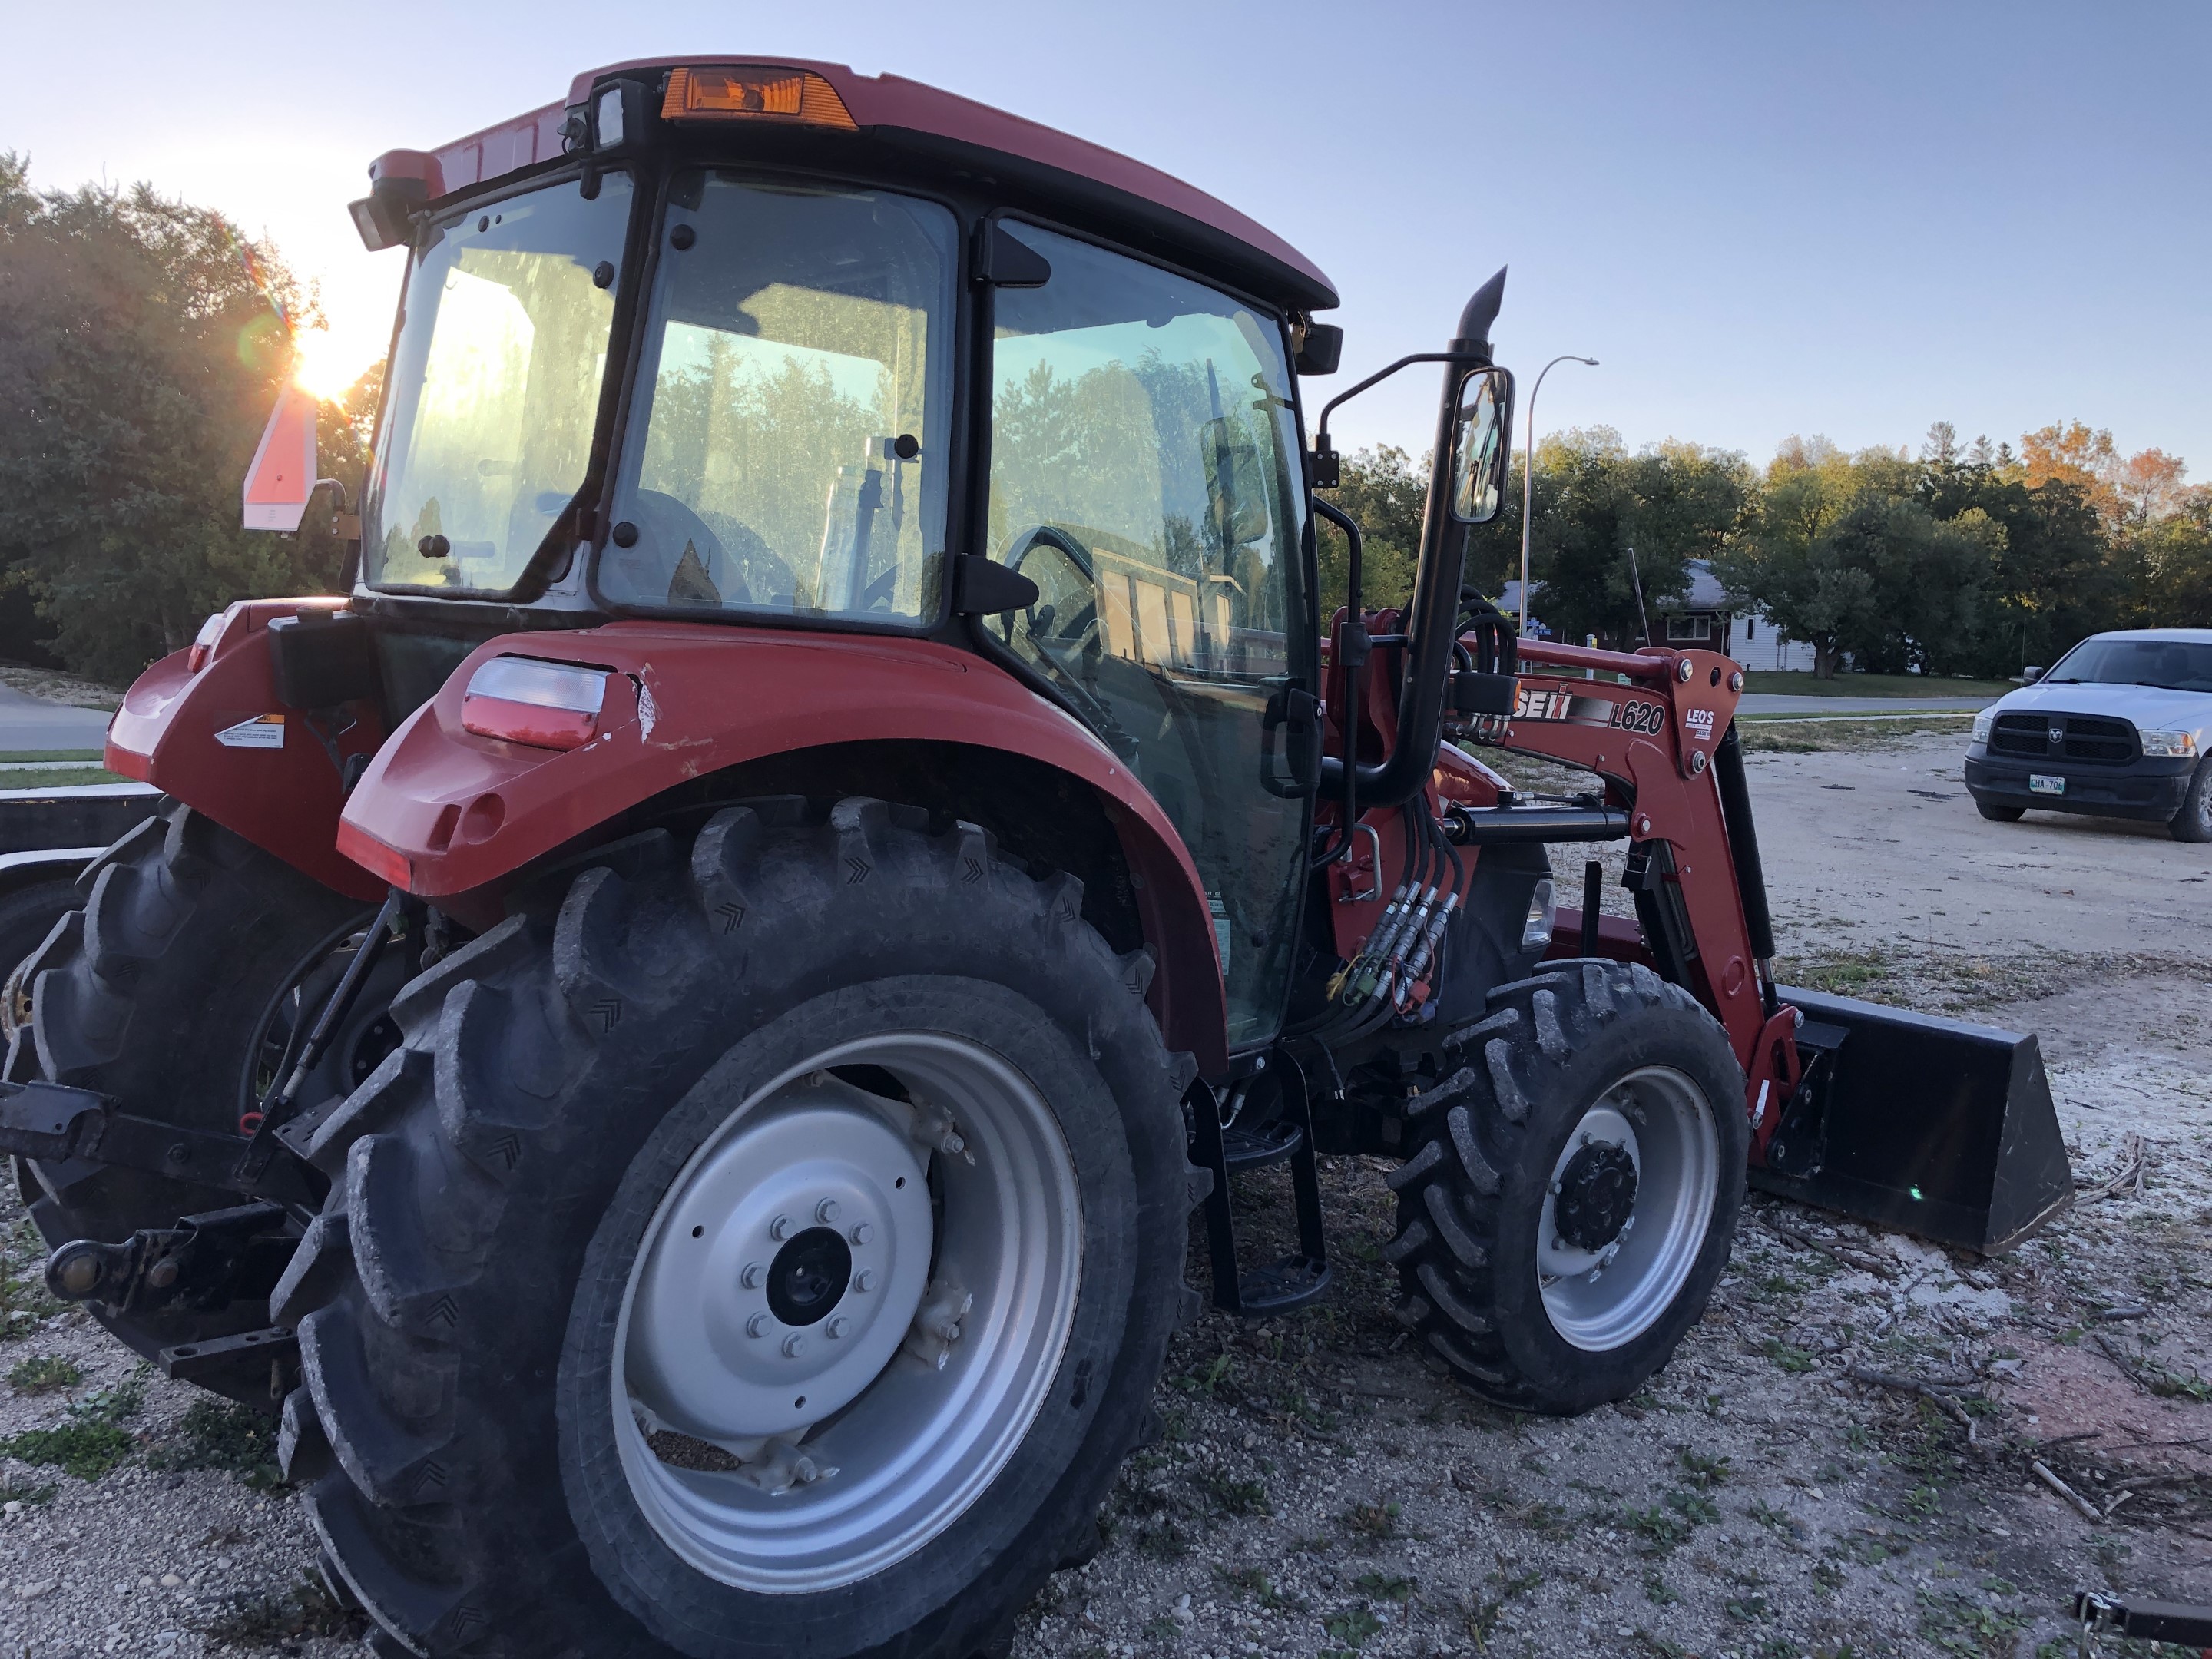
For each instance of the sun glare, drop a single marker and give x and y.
(327, 365)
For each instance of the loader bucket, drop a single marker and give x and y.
(1928, 1126)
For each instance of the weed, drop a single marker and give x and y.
(1237, 1497)
(1162, 1541)
(1696, 1508)
(1704, 1470)
(1775, 1520)
(1162, 1627)
(1351, 1628)
(91, 1440)
(1387, 1586)
(221, 1434)
(1482, 1616)
(1661, 1532)
(306, 1610)
(1794, 1360)
(1828, 1577)
(1749, 1607)
(24, 1301)
(1215, 1379)
(1968, 1626)
(1373, 1520)
(1656, 1591)
(28, 1497)
(44, 1373)
(1256, 1584)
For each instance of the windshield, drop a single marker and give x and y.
(2178, 664)
(791, 458)
(494, 388)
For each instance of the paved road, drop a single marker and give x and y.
(1771, 702)
(29, 722)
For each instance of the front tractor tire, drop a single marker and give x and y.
(1572, 1191)
(767, 1246)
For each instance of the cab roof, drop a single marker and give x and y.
(1081, 180)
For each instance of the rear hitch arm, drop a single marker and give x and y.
(55, 1123)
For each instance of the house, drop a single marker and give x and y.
(1708, 618)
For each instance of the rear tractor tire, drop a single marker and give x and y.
(1572, 1191)
(196, 961)
(767, 1246)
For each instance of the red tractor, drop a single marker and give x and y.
(676, 1030)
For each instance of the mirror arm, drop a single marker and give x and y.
(1430, 628)
(1324, 457)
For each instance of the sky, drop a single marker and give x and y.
(1761, 219)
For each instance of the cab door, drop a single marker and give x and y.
(1144, 469)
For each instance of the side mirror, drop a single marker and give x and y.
(1481, 446)
(2031, 675)
(1321, 349)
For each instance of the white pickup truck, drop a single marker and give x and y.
(2121, 727)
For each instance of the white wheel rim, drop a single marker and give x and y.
(725, 1334)
(1599, 1300)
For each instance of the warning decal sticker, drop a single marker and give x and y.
(262, 731)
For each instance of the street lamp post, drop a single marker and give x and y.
(1529, 481)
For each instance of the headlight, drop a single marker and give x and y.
(1536, 931)
(2175, 746)
(1983, 721)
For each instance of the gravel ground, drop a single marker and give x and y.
(1320, 1489)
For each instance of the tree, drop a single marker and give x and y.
(1385, 494)
(2175, 569)
(1607, 521)
(142, 342)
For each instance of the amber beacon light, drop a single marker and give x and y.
(753, 91)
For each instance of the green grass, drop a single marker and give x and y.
(55, 778)
(44, 1374)
(1872, 685)
(8, 754)
(91, 1440)
(221, 1434)
(1788, 734)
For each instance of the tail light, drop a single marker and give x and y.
(547, 705)
(203, 642)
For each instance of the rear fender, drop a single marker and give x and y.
(448, 814)
(217, 739)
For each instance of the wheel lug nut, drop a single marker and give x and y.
(866, 1281)
(837, 1327)
(793, 1345)
(779, 1229)
(755, 1272)
(826, 1210)
(862, 1232)
(758, 1325)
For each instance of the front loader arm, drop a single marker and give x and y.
(1651, 727)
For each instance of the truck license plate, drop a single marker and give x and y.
(2039, 784)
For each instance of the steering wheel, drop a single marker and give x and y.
(1067, 610)
(1062, 625)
